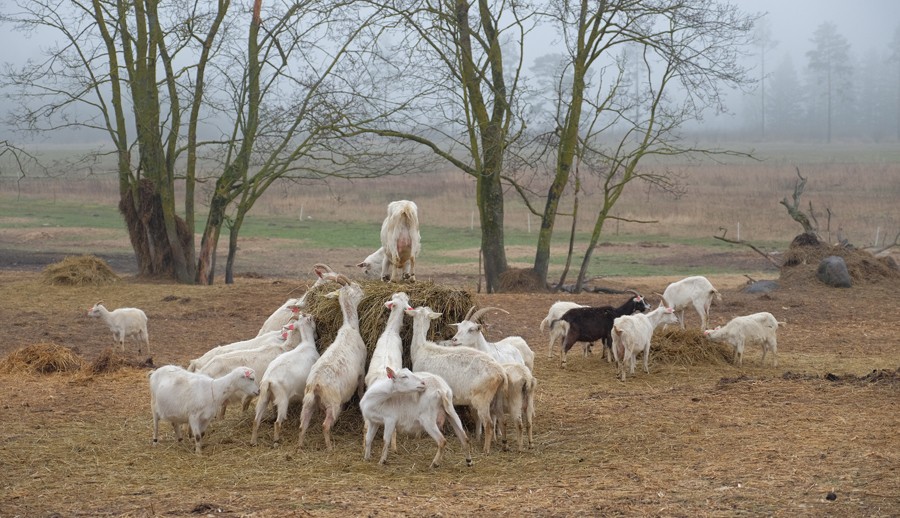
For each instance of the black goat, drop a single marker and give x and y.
(590, 324)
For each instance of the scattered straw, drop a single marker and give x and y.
(687, 347)
(42, 358)
(451, 303)
(82, 270)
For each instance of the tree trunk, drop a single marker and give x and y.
(490, 209)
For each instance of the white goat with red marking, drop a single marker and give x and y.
(290, 310)
(756, 328)
(696, 292)
(284, 380)
(631, 334)
(182, 397)
(410, 402)
(512, 349)
(124, 323)
(475, 378)
(340, 370)
(400, 240)
(388, 350)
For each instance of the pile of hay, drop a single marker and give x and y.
(803, 258)
(521, 280)
(42, 358)
(110, 360)
(453, 304)
(687, 347)
(82, 270)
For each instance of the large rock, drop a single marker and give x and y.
(833, 272)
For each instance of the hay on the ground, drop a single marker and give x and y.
(111, 360)
(82, 270)
(451, 303)
(521, 280)
(42, 358)
(801, 262)
(687, 347)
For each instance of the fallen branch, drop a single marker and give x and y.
(757, 250)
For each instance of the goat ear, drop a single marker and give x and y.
(363, 264)
(390, 372)
(248, 373)
(389, 305)
(434, 315)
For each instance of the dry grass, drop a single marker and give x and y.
(82, 270)
(42, 358)
(452, 303)
(687, 347)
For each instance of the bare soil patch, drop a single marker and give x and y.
(685, 440)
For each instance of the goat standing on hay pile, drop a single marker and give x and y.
(400, 240)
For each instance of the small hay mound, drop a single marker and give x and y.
(801, 262)
(81, 270)
(521, 280)
(42, 358)
(110, 360)
(687, 347)
(453, 304)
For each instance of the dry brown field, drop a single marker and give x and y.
(709, 439)
(815, 436)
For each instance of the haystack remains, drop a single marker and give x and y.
(81, 270)
(805, 253)
(42, 358)
(451, 303)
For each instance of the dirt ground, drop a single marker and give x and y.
(816, 436)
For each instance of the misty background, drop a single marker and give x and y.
(786, 102)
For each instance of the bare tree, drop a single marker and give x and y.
(829, 62)
(687, 53)
(453, 76)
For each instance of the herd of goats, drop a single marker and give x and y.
(493, 379)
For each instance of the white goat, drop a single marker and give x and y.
(269, 338)
(340, 370)
(389, 348)
(291, 309)
(631, 334)
(519, 403)
(475, 378)
(285, 378)
(124, 323)
(257, 359)
(182, 397)
(694, 291)
(373, 265)
(410, 402)
(400, 240)
(469, 334)
(558, 332)
(756, 328)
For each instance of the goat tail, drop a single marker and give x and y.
(545, 323)
(553, 323)
(717, 294)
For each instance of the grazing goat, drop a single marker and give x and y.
(694, 291)
(124, 323)
(285, 378)
(291, 309)
(469, 334)
(400, 240)
(589, 324)
(182, 397)
(631, 334)
(275, 338)
(341, 370)
(518, 403)
(410, 402)
(756, 328)
(257, 359)
(475, 378)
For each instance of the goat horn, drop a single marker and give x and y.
(482, 311)
(472, 309)
(664, 301)
(636, 294)
(321, 266)
(342, 279)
